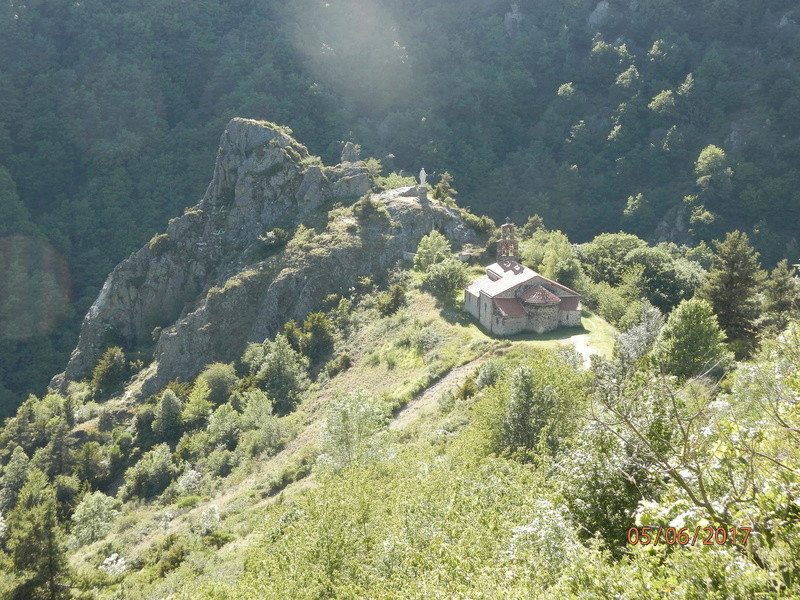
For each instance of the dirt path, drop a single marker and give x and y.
(581, 345)
(427, 400)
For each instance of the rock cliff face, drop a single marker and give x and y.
(205, 282)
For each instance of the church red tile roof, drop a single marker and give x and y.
(558, 285)
(539, 295)
(509, 307)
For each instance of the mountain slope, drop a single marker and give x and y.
(207, 284)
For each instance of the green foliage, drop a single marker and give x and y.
(224, 427)
(601, 486)
(338, 364)
(14, 475)
(93, 518)
(91, 464)
(547, 250)
(392, 300)
(732, 288)
(433, 248)
(274, 238)
(264, 429)
(167, 417)
(636, 341)
(781, 298)
(606, 300)
(198, 407)
(604, 257)
(530, 406)
(712, 162)
(220, 379)
(159, 244)
(661, 278)
(110, 372)
(443, 191)
(280, 371)
(691, 341)
(392, 181)
(318, 336)
(532, 225)
(539, 404)
(353, 420)
(151, 473)
(366, 209)
(36, 543)
(446, 278)
(532, 402)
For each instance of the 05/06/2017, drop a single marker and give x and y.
(684, 536)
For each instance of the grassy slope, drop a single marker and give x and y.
(386, 362)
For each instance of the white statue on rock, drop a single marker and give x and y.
(423, 178)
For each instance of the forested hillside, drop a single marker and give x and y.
(273, 398)
(386, 447)
(671, 119)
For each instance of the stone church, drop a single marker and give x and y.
(511, 298)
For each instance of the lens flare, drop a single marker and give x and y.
(34, 287)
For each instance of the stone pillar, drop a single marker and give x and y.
(423, 192)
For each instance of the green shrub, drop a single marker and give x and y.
(190, 501)
(280, 371)
(318, 336)
(224, 427)
(110, 373)
(167, 417)
(352, 421)
(219, 463)
(338, 364)
(151, 474)
(393, 181)
(218, 539)
(220, 379)
(432, 248)
(93, 518)
(446, 278)
(274, 239)
(367, 209)
(483, 224)
(197, 410)
(392, 300)
(169, 554)
(159, 243)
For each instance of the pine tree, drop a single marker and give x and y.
(14, 475)
(167, 422)
(36, 542)
(782, 297)
(732, 289)
(444, 191)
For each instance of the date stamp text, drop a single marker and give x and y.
(685, 536)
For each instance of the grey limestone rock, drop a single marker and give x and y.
(204, 282)
(350, 153)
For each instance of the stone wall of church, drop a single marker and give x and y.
(508, 325)
(543, 318)
(569, 318)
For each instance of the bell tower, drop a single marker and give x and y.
(508, 245)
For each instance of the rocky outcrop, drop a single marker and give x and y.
(206, 283)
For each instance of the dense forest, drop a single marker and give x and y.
(672, 120)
